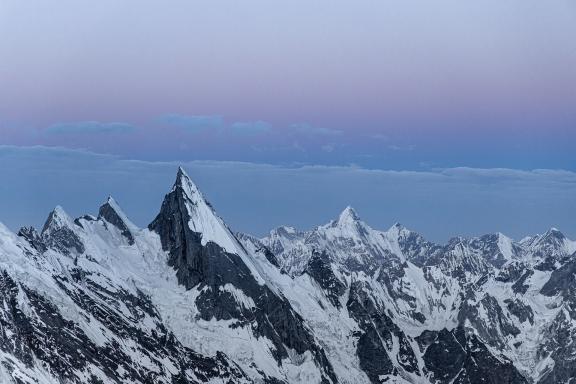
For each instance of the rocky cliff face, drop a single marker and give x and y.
(99, 300)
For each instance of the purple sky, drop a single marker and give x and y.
(398, 82)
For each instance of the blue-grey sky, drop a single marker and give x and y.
(257, 197)
(380, 102)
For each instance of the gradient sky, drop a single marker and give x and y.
(382, 85)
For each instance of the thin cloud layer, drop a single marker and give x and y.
(250, 128)
(194, 123)
(89, 127)
(308, 129)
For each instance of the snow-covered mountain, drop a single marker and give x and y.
(98, 300)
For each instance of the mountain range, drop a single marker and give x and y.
(96, 299)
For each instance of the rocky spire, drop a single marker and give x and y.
(348, 216)
(59, 232)
(199, 216)
(58, 218)
(113, 214)
(188, 227)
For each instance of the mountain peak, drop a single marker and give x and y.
(285, 231)
(181, 175)
(554, 232)
(60, 232)
(182, 178)
(188, 187)
(113, 214)
(348, 216)
(186, 200)
(111, 204)
(57, 218)
(397, 227)
(59, 210)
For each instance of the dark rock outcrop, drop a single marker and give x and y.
(33, 238)
(375, 342)
(319, 268)
(460, 357)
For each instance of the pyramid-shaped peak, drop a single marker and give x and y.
(112, 206)
(348, 215)
(60, 212)
(184, 182)
(398, 229)
(57, 218)
(554, 231)
(182, 177)
(186, 202)
(181, 174)
(112, 203)
(348, 223)
(113, 214)
(552, 235)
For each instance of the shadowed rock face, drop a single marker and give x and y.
(184, 245)
(376, 339)
(559, 345)
(320, 270)
(457, 357)
(33, 237)
(562, 281)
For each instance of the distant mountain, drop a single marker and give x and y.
(98, 300)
